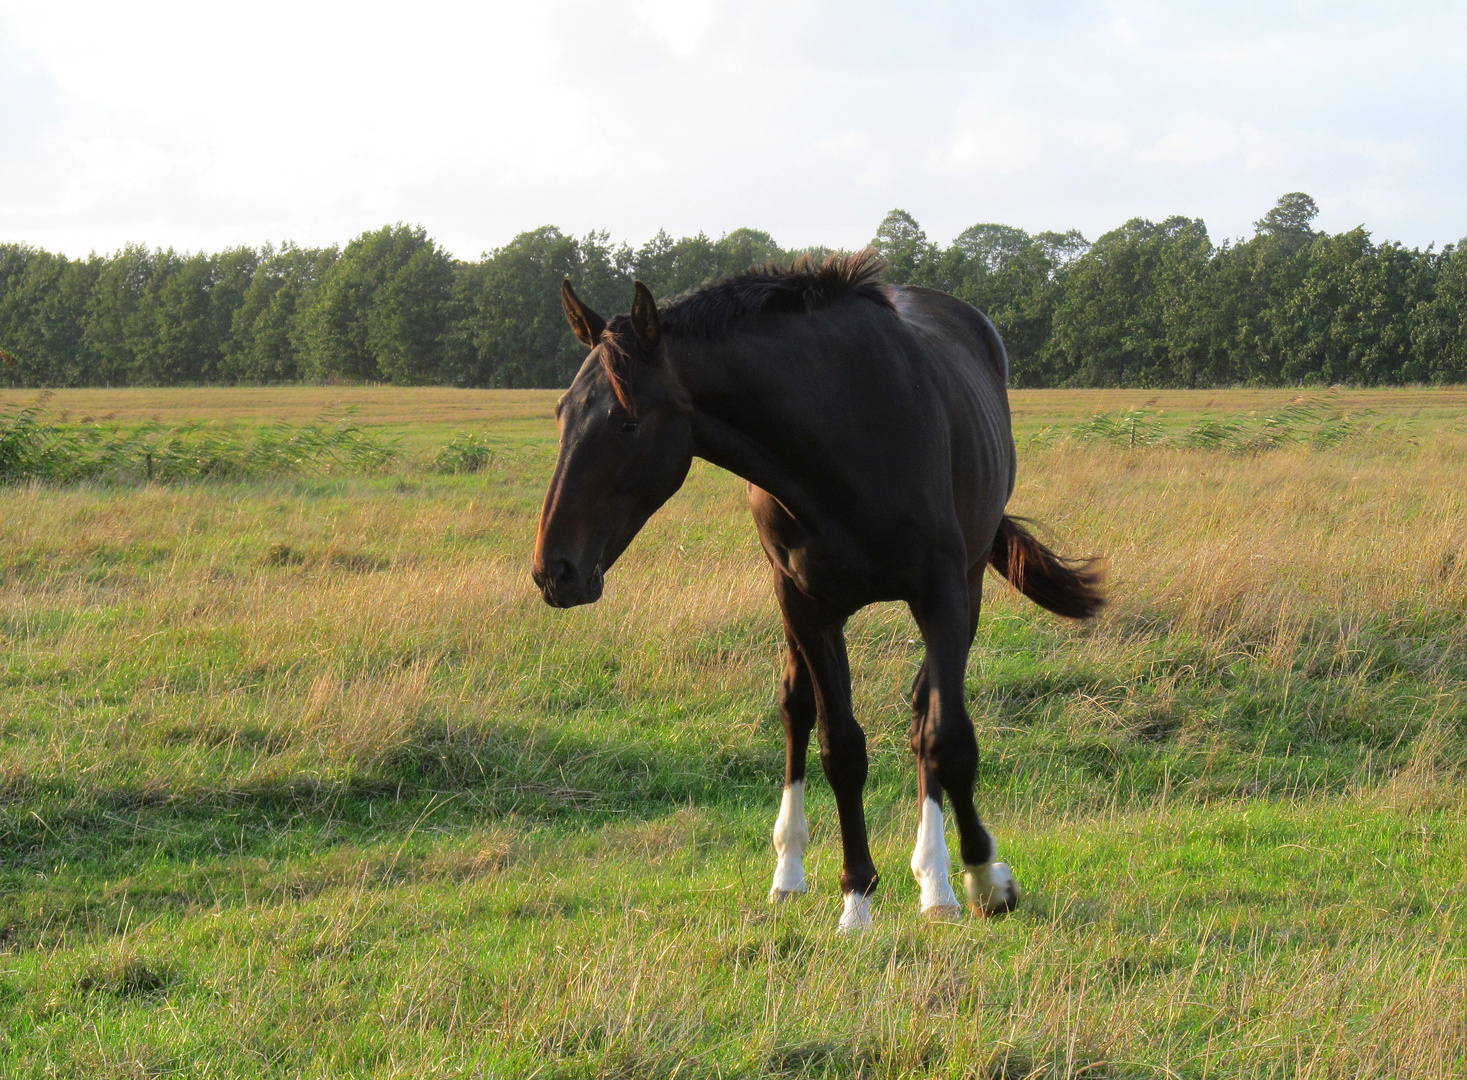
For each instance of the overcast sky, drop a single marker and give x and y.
(202, 125)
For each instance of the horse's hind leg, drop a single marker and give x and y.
(930, 863)
(947, 754)
(821, 643)
(791, 833)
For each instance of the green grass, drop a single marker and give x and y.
(298, 777)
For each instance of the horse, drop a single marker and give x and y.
(871, 424)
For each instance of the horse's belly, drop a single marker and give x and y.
(827, 562)
(841, 582)
(836, 571)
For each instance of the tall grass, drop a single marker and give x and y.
(36, 447)
(1315, 422)
(299, 777)
(466, 452)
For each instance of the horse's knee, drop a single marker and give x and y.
(794, 687)
(796, 695)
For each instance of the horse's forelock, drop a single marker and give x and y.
(616, 361)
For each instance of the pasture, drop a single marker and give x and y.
(299, 777)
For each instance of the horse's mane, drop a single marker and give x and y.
(802, 285)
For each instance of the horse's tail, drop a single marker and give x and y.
(1068, 587)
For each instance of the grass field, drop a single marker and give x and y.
(300, 778)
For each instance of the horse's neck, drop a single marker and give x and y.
(731, 391)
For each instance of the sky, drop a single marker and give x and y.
(202, 126)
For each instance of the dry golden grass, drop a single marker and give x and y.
(1255, 549)
(394, 405)
(1432, 404)
(399, 406)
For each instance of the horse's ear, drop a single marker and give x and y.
(645, 322)
(584, 322)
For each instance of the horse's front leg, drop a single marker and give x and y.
(818, 636)
(791, 832)
(947, 754)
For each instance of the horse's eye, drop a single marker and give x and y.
(629, 426)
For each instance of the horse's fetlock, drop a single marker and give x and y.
(991, 889)
(863, 881)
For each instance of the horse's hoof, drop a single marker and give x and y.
(857, 915)
(779, 896)
(992, 889)
(943, 912)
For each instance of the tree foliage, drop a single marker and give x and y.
(1149, 304)
(267, 337)
(379, 312)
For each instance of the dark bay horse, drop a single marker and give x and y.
(871, 422)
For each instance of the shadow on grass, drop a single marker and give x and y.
(77, 855)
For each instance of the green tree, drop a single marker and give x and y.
(604, 273)
(1148, 305)
(268, 329)
(1290, 221)
(669, 267)
(745, 249)
(233, 271)
(121, 317)
(906, 249)
(509, 329)
(988, 249)
(1349, 319)
(1016, 280)
(408, 316)
(43, 303)
(1439, 326)
(181, 345)
(381, 311)
(1120, 317)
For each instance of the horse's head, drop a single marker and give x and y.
(626, 441)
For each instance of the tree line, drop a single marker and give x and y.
(1150, 304)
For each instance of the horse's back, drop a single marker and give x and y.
(969, 368)
(940, 313)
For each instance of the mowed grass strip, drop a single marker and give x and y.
(301, 778)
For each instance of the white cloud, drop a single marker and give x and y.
(681, 24)
(1124, 31)
(1385, 153)
(984, 142)
(844, 144)
(196, 125)
(1198, 141)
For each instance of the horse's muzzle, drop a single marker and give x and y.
(563, 586)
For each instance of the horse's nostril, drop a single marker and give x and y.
(563, 583)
